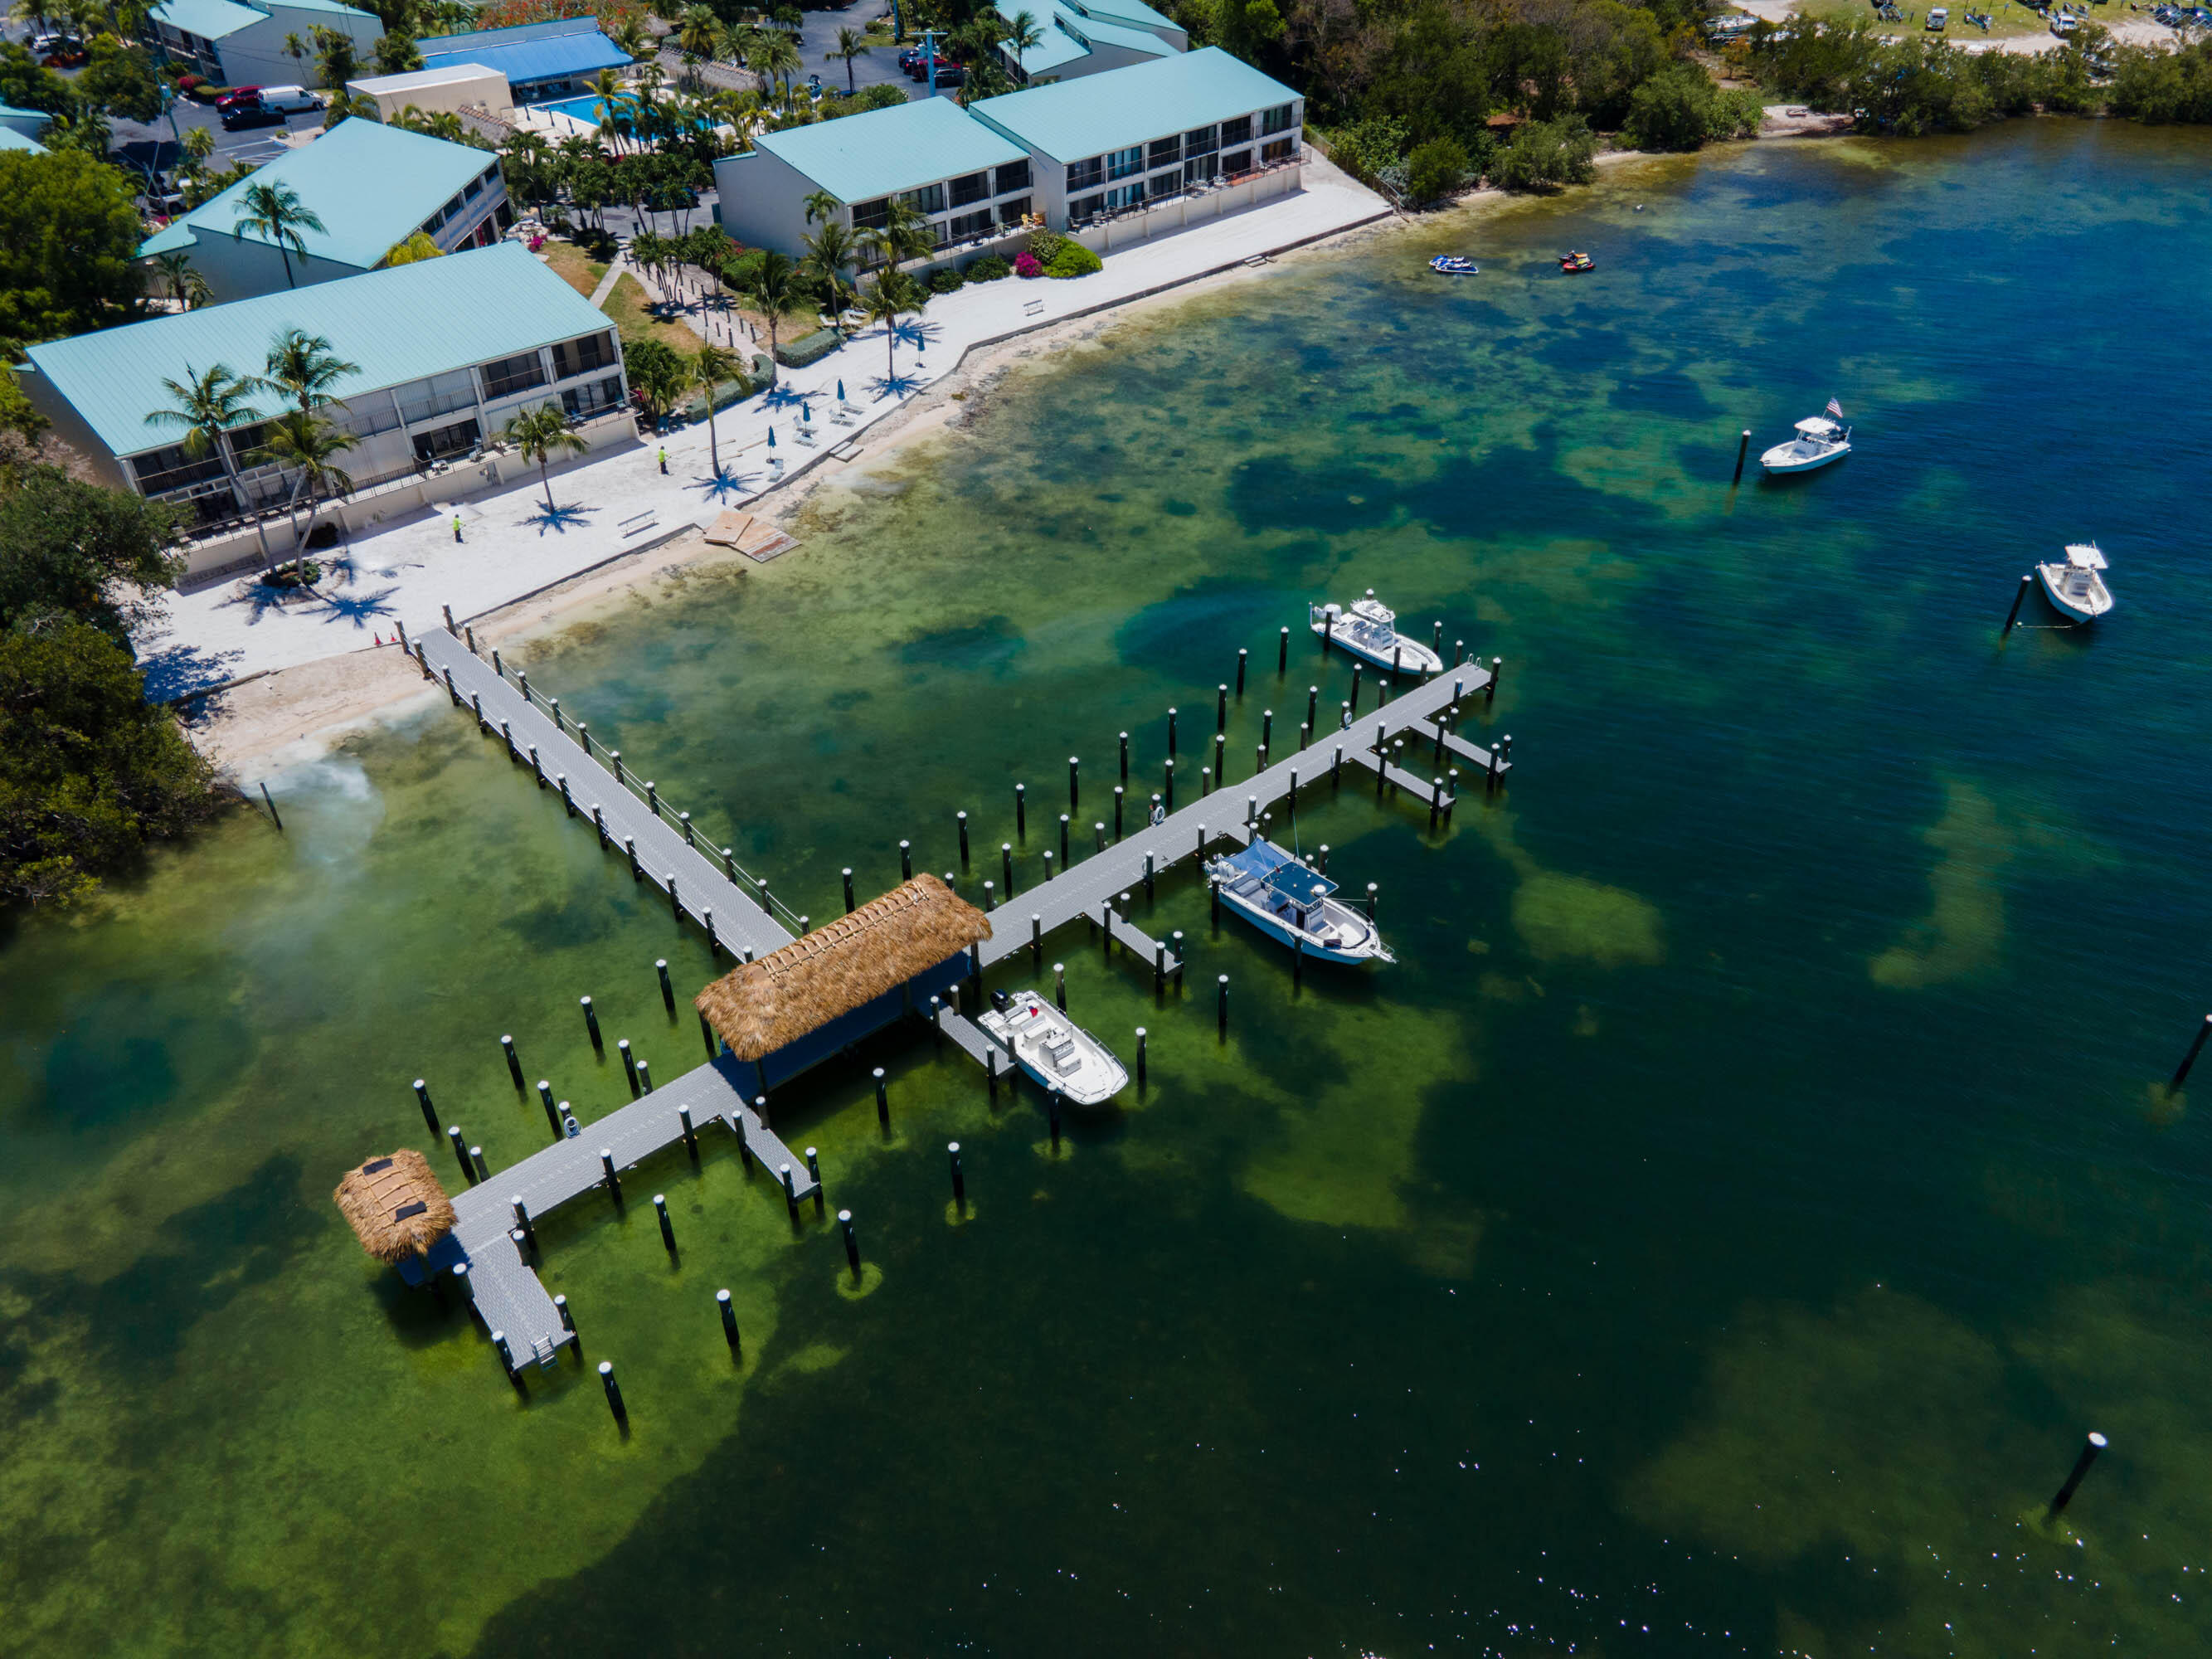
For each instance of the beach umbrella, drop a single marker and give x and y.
(840, 392)
(806, 413)
(771, 437)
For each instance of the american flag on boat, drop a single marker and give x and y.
(1835, 409)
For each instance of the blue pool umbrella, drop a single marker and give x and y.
(806, 413)
(771, 437)
(840, 392)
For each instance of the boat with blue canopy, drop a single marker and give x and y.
(1291, 903)
(1454, 264)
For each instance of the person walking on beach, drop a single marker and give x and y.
(663, 463)
(457, 527)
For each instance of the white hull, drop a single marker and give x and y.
(1054, 1051)
(2092, 602)
(1336, 935)
(1412, 657)
(1788, 458)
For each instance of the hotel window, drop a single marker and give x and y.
(1201, 168)
(973, 188)
(872, 216)
(1123, 162)
(580, 356)
(1277, 119)
(930, 199)
(1081, 175)
(1085, 207)
(446, 441)
(1015, 175)
(1240, 162)
(1204, 142)
(1278, 150)
(490, 175)
(962, 226)
(1237, 131)
(475, 189)
(1010, 213)
(1166, 152)
(1128, 196)
(511, 374)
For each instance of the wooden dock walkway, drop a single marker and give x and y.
(1088, 888)
(509, 1297)
(707, 887)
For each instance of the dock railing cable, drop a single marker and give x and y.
(653, 800)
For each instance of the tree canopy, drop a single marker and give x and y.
(69, 549)
(68, 236)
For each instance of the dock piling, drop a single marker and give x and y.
(906, 860)
(1221, 708)
(852, 1244)
(1124, 736)
(652, 797)
(1267, 731)
(790, 1189)
(1120, 791)
(847, 872)
(1006, 865)
(1059, 985)
(1742, 449)
(1283, 652)
(629, 1066)
(1022, 813)
(614, 1391)
(683, 822)
(1213, 900)
(1171, 733)
(522, 1223)
(814, 1174)
(667, 990)
(430, 1113)
(729, 1323)
(1371, 904)
(1098, 834)
(513, 1064)
(990, 898)
(567, 1319)
(1313, 705)
(591, 1023)
(1221, 757)
(1497, 673)
(1356, 666)
(1436, 639)
(1221, 1005)
(1141, 1056)
(2095, 1443)
(690, 1135)
(537, 767)
(461, 1152)
(1174, 945)
(630, 850)
(552, 1117)
(1205, 781)
(477, 1162)
(599, 824)
(1036, 938)
(2018, 594)
(644, 1078)
(2180, 1072)
(883, 1101)
(959, 1180)
(960, 820)
(1074, 783)
(667, 1229)
(1241, 656)
(614, 1181)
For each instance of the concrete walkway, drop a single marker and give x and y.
(515, 543)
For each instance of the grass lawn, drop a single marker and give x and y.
(571, 266)
(634, 320)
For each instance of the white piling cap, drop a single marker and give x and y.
(842, 1215)
(606, 1367)
(951, 1146)
(2098, 1440)
(721, 1295)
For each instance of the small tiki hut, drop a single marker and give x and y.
(397, 1209)
(797, 1006)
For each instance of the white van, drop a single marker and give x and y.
(289, 101)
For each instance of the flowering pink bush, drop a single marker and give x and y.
(1025, 264)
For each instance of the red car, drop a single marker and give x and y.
(239, 98)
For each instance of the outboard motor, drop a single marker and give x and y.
(999, 1002)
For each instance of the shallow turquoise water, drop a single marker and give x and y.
(1715, 1233)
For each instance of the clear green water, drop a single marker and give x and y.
(1714, 1235)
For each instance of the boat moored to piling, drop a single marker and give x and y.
(1291, 904)
(1369, 630)
(1060, 1055)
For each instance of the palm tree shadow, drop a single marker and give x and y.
(919, 334)
(726, 484)
(358, 608)
(894, 385)
(783, 397)
(561, 520)
(260, 599)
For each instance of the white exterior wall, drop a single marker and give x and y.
(1050, 172)
(239, 269)
(487, 90)
(255, 56)
(764, 202)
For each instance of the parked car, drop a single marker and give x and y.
(919, 70)
(1939, 17)
(290, 101)
(242, 116)
(2063, 24)
(65, 58)
(237, 97)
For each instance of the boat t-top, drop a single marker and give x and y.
(1820, 439)
(1576, 262)
(2075, 586)
(1454, 264)
(1369, 629)
(1052, 1049)
(1290, 903)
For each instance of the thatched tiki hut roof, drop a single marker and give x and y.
(761, 1006)
(396, 1205)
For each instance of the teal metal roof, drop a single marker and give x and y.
(1066, 33)
(400, 324)
(1134, 12)
(857, 158)
(372, 185)
(11, 139)
(172, 237)
(1071, 120)
(211, 20)
(356, 12)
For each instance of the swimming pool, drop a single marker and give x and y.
(585, 109)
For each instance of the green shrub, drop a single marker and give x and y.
(1435, 170)
(808, 348)
(990, 267)
(743, 269)
(1680, 108)
(1546, 154)
(1043, 244)
(1072, 258)
(1366, 148)
(946, 279)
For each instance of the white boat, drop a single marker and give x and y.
(1818, 441)
(2075, 587)
(1290, 903)
(1369, 629)
(1052, 1049)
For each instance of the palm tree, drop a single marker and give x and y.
(629, 36)
(697, 32)
(179, 276)
(851, 43)
(348, 106)
(274, 213)
(305, 441)
(829, 250)
(303, 366)
(885, 301)
(822, 205)
(541, 434)
(709, 366)
(904, 234)
(207, 406)
(1020, 33)
(774, 57)
(773, 288)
